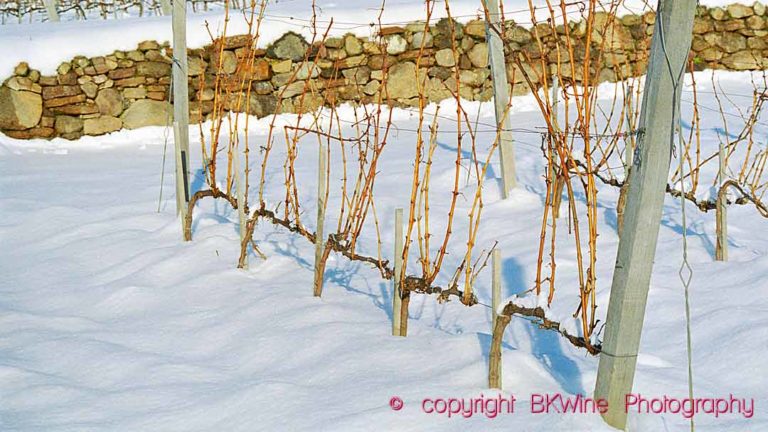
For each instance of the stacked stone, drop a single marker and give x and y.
(130, 89)
(88, 96)
(734, 38)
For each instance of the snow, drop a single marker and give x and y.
(108, 321)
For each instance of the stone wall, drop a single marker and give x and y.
(94, 96)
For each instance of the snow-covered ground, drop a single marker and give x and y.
(108, 321)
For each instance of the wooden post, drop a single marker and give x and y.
(494, 356)
(496, 283)
(397, 300)
(181, 107)
(50, 7)
(552, 170)
(240, 185)
(405, 301)
(559, 181)
(721, 212)
(166, 7)
(322, 181)
(500, 94)
(629, 154)
(634, 262)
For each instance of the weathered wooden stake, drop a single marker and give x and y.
(494, 357)
(634, 262)
(496, 283)
(181, 108)
(322, 182)
(721, 212)
(629, 154)
(50, 8)
(404, 303)
(166, 7)
(397, 300)
(240, 185)
(500, 94)
(559, 181)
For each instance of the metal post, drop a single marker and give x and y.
(493, 30)
(634, 262)
(397, 300)
(181, 107)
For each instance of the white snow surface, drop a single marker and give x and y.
(46, 45)
(109, 322)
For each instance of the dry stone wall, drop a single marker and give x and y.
(94, 96)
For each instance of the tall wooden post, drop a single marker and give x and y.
(721, 216)
(166, 7)
(496, 283)
(493, 30)
(50, 8)
(555, 174)
(629, 153)
(322, 181)
(181, 107)
(634, 262)
(397, 299)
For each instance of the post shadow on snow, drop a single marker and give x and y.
(512, 274)
(612, 218)
(545, 345)
(221, 217)
(547, 349)
(466, 154)
(340, 275)
(291, 251)
(513, 283)
(343, 277)
(677, 228)
(513, 278)
(198, 181)
(484, 339)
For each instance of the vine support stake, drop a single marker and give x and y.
(242, 217)
(629, 153)
(50, 8)
(642, 218)
(397, 299)
(494, 357)
(166, 7)
(559, 182)
(322, 182)
(496, 283)
(721, 212)
(493, 29)
(181, 108)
